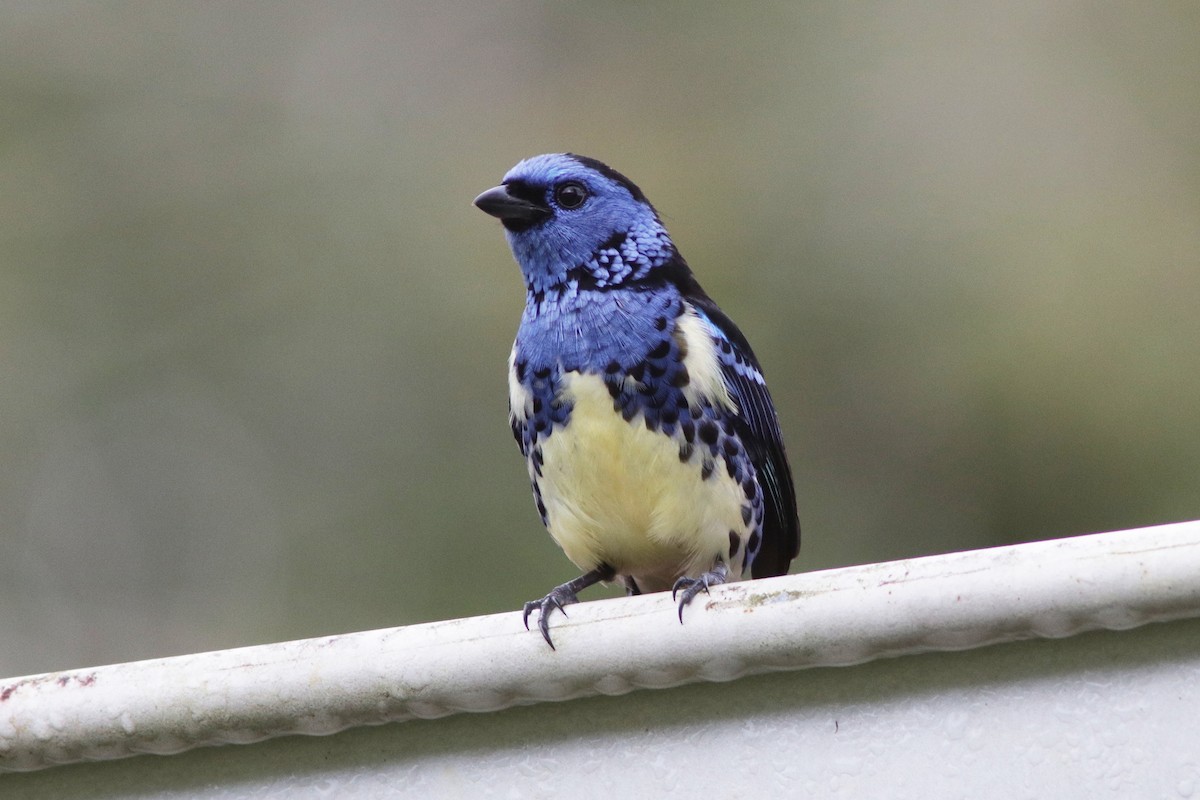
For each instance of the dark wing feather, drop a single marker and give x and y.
(758, 427)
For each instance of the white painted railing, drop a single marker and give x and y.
(1098, 715)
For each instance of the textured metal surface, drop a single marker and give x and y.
(839, 617)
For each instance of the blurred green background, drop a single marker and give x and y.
(253, 333)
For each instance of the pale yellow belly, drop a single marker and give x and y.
(617, 493)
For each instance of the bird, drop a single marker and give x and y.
(652, 444)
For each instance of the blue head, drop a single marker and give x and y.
(571, 219)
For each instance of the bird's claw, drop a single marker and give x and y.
(560, 596)
(693, 586)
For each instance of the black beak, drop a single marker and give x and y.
(513, 211)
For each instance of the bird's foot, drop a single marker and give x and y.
(690, 587)
(563, 595)
(560, 596)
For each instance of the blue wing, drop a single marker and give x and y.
(758, 428)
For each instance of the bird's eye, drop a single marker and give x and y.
(570, 195)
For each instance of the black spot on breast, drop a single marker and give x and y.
(681, 377)
(730, 446)
(688, 428)
(541, 373)
(685, 452)
(670, 415)
(612, 367)
(750, 487)
(708, 431)
(520, 369)
(731, 466)
(660, 350)
(638, 371)
(747, 515)
(660, 324)
(657, 369)
(735, 544)
(706, 469)
(755, 540)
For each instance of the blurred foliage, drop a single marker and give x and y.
(253, 333)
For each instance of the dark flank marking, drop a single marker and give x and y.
(708, 431)
(747, 514)
(685, 452)
(670, 415)
(520, 368)
(731, 466)
(681, 345)
(689, 430)
(638, 371)
(750, 487)
(735, 542)
(657, 369)
(660, 350)
(706, 469)
(730, 445)
(629, 412)
(660, 324)
(752, 545)
(681, 378)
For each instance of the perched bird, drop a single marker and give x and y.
(652, 443)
